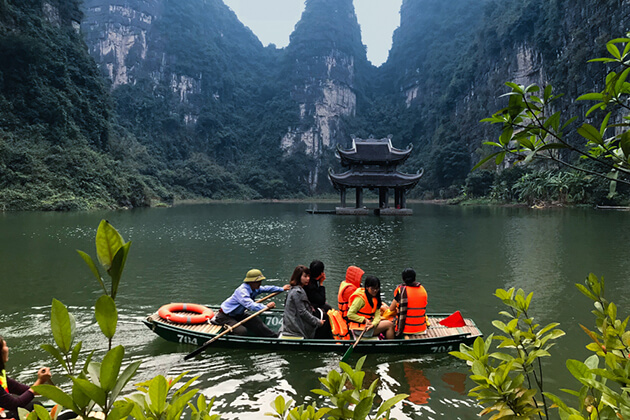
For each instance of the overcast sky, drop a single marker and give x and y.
(273, 20)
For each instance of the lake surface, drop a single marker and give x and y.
(200, 253)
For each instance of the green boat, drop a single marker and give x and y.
(438, 339)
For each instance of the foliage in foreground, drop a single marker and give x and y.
(534, 127)
(98, 386)
(510, 378)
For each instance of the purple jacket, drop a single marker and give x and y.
(19, 395)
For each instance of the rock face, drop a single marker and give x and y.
(323, 58)
(174, 44)
(117, 35)
(207, 73)
(324, 98)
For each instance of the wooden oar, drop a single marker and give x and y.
(229, 329)
(268, 296)
(349, 351)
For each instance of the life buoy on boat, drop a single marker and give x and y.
(203, 313)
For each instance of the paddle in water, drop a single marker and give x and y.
(351, 348)
(228, 329)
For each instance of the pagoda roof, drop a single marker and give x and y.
(374, 179)
(372, 151)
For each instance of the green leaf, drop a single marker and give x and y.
(484, 160)
(42, 413)
(120, 411)
(595, 108)
(591, 97)
(108, 242)
(174, 410)
(75, 354)
(566, 124)
(585, 291)
(613, 50)
(62, 325)
(547, 93)
(91, 390)
(552, 146)
(578, 369)
(52, 350)
(124, 378)
(390, 403)
(157, 394)
(90, 263)
(117, 267)
(110, 367)
(590, 133)
(57, 395)
(106, 315)
(625, 144)
(363, 408)
(556, 400)
(506, 136)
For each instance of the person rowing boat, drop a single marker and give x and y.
(233, 308)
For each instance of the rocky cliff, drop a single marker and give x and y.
(177, 99)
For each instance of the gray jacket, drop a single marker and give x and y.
(298, 319)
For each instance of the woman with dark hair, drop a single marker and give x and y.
(365, 310)
(14, 395)
(298, 320)
(316, 293)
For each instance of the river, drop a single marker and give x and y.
(200, 253)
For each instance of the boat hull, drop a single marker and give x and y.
(438, 339)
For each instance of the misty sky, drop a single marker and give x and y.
(273, 20)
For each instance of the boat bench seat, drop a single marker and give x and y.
(290, 337)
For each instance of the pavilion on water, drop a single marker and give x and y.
(372, 164)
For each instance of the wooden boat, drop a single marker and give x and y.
(438, 339)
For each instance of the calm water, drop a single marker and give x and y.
(201, 253)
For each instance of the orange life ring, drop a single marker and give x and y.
(204, 313)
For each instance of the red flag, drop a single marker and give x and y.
(454, 320)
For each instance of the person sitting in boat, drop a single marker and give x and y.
(316, 293)
(233, 308)
(365, 310)
(410, 303)
(348, 287)
(298, 320)
(14, 395)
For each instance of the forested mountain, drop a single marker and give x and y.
(107, 103)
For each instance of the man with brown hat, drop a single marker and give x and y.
(233, 308)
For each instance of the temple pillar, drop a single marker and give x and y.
(397, 198)
(359, 201)
(383, 197)
(342, 192)
(403, 199)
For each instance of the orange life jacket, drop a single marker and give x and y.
(416, 316)
(344, 303)
(353, 279)
(338, 325)
(367, 311)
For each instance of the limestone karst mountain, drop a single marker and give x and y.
(107, 103)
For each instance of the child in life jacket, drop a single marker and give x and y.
(365, 310)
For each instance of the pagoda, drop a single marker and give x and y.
(372, 164)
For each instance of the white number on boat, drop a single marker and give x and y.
(274, 321)
(441, 349)
(187, 340)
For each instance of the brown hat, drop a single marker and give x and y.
(253, 276)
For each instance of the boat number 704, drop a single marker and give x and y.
(187, 340)
(441, 349)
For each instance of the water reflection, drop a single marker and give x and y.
(200, 254)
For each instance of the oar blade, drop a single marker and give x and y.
(347, 355)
